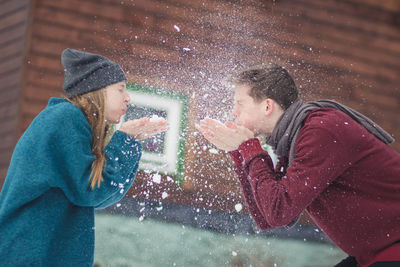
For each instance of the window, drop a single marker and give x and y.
(163, 152)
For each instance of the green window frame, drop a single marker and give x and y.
(163, 153)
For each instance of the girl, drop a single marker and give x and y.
(67, 164)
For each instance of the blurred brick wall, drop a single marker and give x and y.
(345, 50)
(13, 32)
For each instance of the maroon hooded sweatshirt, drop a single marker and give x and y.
(343, 176)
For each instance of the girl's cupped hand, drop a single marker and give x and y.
(144, 128)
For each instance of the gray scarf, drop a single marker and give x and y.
(284, 135)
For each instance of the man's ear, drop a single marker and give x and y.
(269, 106)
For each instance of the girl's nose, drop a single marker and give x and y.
(127, 98)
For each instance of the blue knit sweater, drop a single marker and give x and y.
(46, 204)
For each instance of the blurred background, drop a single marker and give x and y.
(194, 215)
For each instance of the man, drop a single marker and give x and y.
(334, 162)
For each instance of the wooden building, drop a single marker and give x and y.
(347, 50)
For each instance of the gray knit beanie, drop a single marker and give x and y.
(86, 72)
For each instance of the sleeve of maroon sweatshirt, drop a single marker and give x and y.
(247, 191)
(320, 158)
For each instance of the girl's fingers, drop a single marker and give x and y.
(160, 130)
(143, 121)
(137, 122)
(157, 124)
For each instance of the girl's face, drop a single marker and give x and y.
(117, 98)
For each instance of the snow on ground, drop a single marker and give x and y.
(126, 241)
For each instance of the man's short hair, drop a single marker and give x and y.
(269, 81)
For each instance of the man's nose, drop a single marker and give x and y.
(235, 112)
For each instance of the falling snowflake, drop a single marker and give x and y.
(157, 178)
(155, 118)
(213, 151)
(238, 207)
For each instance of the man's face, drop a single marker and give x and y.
(247, 112)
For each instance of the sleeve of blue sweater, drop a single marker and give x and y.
(122, 162)
(74, 156)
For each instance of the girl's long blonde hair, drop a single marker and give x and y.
(93, 105)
